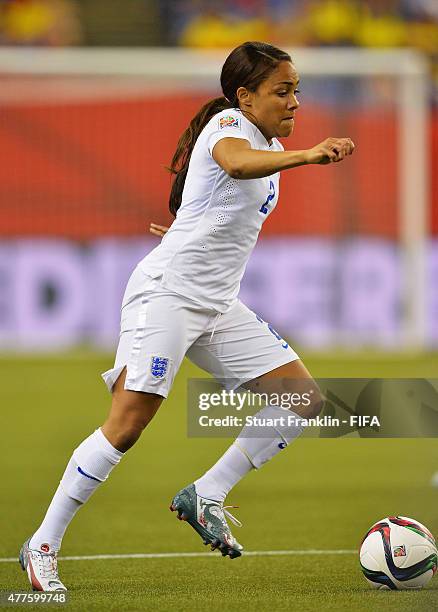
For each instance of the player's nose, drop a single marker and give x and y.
(293, 103)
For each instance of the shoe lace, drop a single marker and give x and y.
(48, 565)
(232, 518)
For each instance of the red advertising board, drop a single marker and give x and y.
(98, 168)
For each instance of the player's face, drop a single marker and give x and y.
(274, 102)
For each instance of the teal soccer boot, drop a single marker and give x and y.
(207, 517)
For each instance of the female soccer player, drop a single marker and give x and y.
(182, 300)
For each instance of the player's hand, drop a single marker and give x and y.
(158, 230)
(330, 150)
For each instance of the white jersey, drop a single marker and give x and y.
(204, 254)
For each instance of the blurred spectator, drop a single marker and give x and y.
(211, 23)
(215, 30)
(419, 9)
(424, 36)
(114, 23)
(422, 25)
(381, 24)
(333, 22)
(215, 27)
(40, 22)
(175, 14)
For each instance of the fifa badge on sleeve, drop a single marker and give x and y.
(229, 121)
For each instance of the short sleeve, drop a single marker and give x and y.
(228, 126)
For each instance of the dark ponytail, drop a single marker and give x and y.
(247, 66)
(181, 158)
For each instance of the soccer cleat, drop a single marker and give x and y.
(207, 517)
(42, 567)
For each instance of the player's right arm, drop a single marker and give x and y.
(236, 157)
(158, 230)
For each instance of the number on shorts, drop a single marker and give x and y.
(284, 344)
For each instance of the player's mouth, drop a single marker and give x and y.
(289, 118)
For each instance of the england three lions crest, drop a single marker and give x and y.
(159, 366)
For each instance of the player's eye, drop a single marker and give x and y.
(296, 91)
(282, 93)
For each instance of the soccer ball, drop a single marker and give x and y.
(398, 553)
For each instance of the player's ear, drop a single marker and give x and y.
(244, 96)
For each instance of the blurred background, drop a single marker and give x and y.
(94, 95)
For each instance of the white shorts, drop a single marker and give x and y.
(159, 328)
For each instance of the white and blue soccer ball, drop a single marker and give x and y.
(398, 553)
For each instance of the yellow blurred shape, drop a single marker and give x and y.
(25, 22)
(381, 31)
(214, 30)
(333, 20)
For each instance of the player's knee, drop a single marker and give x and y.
(132, 425)
(128, 435)
(130, 416)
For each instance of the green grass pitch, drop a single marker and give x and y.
(319, 494)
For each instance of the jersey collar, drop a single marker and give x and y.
(259, 135)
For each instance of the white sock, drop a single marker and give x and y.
(253, 447)
(58, 516)
(90, 465)
(221, 478)
(263, 441)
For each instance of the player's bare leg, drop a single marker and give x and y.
(90, 465)
(131, 412)
(292, 377)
